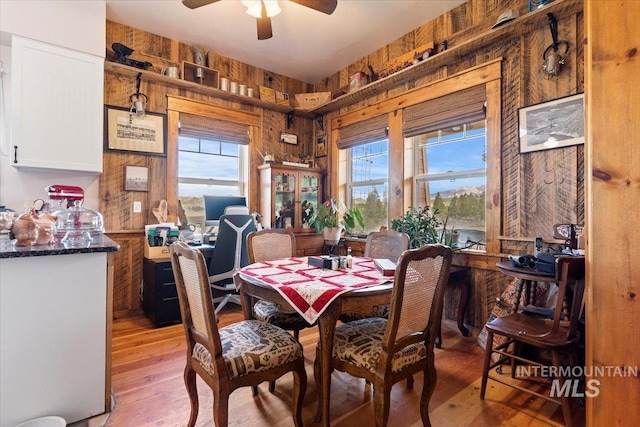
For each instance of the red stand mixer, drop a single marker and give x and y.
(70, 193)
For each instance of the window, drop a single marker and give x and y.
(212, 160)
(368, 182)
(450, 177)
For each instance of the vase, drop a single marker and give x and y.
(332, 234)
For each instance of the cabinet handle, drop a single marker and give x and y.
(15, 154)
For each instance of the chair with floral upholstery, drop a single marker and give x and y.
(242, 354)
(386, 351)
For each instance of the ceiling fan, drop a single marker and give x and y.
(261, 9)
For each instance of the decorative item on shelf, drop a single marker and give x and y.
(407, 59)
(266, 158)
(199, 56)
(505, 17)
(357, 80)
(123, 52)
(537, 4)
(332, 218)
(267, 94)
(553, 61)
(309, 101)
(171, 71)
(282, 98)
(200, 74)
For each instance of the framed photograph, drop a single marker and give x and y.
(123, 131)
(321, 146)
(136, 178)
(552, 124)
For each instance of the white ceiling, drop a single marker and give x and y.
(306, 45)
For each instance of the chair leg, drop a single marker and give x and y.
(487, 361)
(220, 409)
(254, 390)
(299, 391)
(564, 400)
(272, 386)
(430, 377)
(410, 382)
(381, 403)
(192, 391)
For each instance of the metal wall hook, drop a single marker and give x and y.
(553, 27)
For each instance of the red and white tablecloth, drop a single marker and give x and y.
(310, 289)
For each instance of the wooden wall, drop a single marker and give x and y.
(538, 189)
(121, 223)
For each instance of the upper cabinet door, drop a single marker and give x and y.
(57, 114)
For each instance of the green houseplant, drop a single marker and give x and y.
(334, 214)
(421, 224)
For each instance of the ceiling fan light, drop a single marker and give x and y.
(272, 8)
(254, 7)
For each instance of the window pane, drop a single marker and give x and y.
(451, 178)
(370, 161)
(227, 149)
(189, 144)
(202, 169)
(207, 146)
(372, 201)
(197, 165)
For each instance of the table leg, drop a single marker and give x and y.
(462, 307)
(245, 299)
(326, 327)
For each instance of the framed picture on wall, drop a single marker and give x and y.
(136, 178)
(552, 124)
(124, 131)
(321, 146)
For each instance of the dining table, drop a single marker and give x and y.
(321, 295)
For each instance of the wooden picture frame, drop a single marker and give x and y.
(321, 146)
(123, 131)
(136, 178)
(553, 124)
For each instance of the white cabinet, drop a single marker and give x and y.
(57, 114)
(53, 327)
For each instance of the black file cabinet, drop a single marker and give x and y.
(159, 294)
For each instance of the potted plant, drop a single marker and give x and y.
(420, 224)
(333, 216)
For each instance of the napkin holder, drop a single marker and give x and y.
(321, 261)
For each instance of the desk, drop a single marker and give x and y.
(358, 301)
(159, 294)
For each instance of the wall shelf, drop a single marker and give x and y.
(125, 70)
(516, 28)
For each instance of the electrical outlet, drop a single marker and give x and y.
(137, 207)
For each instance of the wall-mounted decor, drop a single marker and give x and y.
(289, 138)
(136, 178)
(552, 124)
(321, 146)
(124, 131)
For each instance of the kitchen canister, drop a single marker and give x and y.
(250, 92)
(233, 87)
(224, 83)
(243, 90)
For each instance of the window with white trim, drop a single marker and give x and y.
(212, 160)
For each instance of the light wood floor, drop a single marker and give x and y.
(149, 391)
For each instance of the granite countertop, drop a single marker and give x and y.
(100, 243)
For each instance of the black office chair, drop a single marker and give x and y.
(229, 255)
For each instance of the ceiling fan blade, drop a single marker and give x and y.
(194, 4)
(264, 25)
(324, 6)
(264, 28)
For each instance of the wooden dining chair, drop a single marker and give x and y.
(386, 351)
(381, 244)
(559, 337)
(268, 245)
(242, 354)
